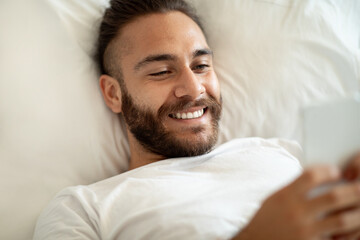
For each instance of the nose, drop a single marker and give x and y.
(189, 85)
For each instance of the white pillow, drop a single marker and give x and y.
(55, 130)
(272, 57)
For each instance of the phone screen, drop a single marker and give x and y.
(331, 131)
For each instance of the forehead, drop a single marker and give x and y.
(161, 33)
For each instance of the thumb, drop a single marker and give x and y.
(313, 177)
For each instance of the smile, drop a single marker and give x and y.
(188, 115)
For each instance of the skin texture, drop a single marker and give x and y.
(287, 214)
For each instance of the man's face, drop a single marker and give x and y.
(170, 92)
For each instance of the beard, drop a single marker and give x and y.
(149, 130)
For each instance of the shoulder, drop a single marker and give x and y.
(292, 148)
(76, 212)
(69, 215)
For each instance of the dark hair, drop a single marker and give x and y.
(121, 12)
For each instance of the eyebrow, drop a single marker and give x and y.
(169, 57)
(202, 52)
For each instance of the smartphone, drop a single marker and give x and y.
(331, 131)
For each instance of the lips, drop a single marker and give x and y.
(189, 114)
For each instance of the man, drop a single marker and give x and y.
(158, 72)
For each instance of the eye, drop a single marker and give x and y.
(201, 67)
(160, 73)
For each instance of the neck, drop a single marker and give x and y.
(139, 155)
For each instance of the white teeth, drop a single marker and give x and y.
(189, 115)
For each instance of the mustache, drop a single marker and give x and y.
(186, 103)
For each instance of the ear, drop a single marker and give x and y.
(110, 89)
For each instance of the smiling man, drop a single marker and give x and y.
(160, 76)
(158, 73)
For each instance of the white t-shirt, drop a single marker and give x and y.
(206, 197)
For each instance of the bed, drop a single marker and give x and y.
(272, 57)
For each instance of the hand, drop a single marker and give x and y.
(352, 169)
(291, 214)
(351, 172)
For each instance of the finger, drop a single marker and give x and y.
(355, 235)
(339, 224)
(340, 237)
(313, 177)
(352, 169)
(340, 197)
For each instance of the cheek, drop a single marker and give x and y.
(153, 96)
(147, 94)
(213, 86)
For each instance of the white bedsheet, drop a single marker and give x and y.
(206, 197)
